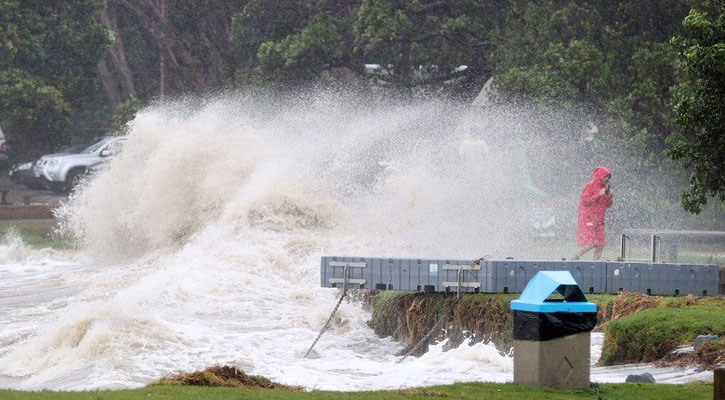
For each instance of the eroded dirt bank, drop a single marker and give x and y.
(487, 317)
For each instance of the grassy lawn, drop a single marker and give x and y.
(35, 232)
(489, 391)
(651, 334)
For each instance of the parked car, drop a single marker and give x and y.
(3, 147)
(63, 172)
(24, 174)
(97, 168)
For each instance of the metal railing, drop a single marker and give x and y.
(655, 249)
(625, 246)
(673, 240)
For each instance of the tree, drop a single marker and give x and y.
(293, 42)
(33, 113)
(699, 106)
(423, 42)
(59, 42)
(124, 113)
(49, 53)
(303, 55)
(416, 43)
(263, 21)
(608, 62)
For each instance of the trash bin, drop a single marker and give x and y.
(552, 327)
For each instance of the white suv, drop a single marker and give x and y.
(62, 172)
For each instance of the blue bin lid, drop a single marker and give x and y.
(544, 283)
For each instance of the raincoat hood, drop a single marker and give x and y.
(593, 205)
(599, 173)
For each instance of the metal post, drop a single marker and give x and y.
(625, 240)
(719, 383)
(655, 247)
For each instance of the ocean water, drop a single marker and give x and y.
(200, 245)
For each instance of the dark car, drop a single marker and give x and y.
(22, 174)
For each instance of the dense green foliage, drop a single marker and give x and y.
(612, 64)
(421, 42)
(124, 113)
(492, 391)
(34, 112)
(610, 60)
(602, 67)
(49, 52)
(700, 109)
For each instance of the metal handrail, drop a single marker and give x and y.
(656, 248)
(625, 248)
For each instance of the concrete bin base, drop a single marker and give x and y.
(561, 363)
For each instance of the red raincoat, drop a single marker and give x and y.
(592, 206)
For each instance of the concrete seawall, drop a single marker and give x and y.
(512, 275)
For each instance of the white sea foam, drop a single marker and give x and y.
(201, 245)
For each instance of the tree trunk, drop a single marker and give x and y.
(174, 48)
(117, 58)
(109, 85)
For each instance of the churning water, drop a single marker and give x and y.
(200, 245)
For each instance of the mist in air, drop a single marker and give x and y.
(200, 244)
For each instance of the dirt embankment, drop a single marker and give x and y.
(488, 318)
(409, 316)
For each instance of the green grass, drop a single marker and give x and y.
(36, 233)
(650, 334)
(682, 301)
(384, 321)
(489, 391)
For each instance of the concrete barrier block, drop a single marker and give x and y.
(636, 272)
(650, 280)
(674, 278)
(561, 363)
(701, 279)
(512, 276)
(618, 277)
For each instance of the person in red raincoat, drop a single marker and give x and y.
(595, 199)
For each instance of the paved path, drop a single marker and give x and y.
(16, 192)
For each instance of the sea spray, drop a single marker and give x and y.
(395, 169)
(201, 241)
